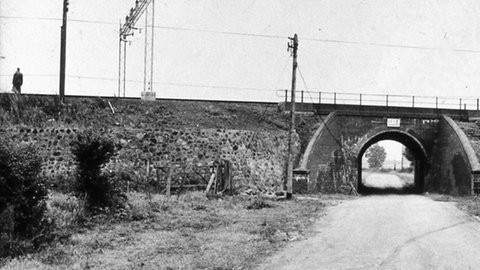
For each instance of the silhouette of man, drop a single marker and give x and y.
(17, 81)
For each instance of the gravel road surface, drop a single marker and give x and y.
(387, 232)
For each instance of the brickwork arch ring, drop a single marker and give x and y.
(405, 138)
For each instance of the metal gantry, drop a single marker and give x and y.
(142, 7)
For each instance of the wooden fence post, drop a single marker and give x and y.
(229, 177)
(148, 168)
(169, 181)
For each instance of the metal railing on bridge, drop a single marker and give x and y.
(432, 102)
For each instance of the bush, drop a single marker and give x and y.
(22, 198)
(66, 213)
(258, 203)
(91, 152)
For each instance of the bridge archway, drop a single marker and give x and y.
(407, 139)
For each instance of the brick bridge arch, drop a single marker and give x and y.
(445, 159)
(405, 138)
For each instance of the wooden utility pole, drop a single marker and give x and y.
(63, 45)
(288, 185)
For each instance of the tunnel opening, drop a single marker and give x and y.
(387, 181)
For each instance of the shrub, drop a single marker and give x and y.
(63, 183)
(22, 198)
(258, 203)
(91, 152)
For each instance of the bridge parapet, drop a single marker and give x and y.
(361, 110)
(381, 100)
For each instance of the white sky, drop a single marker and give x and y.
(393, 149)
(251, 62)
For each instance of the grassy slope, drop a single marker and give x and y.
(468, 204)
(188, 232)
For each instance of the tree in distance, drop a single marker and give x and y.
(376, 156)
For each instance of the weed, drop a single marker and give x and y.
(267, 232)
(189, 233)
(258, 203)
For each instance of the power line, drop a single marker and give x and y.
(30, 18)
(220, 32)
(58, 19)
(282, 72)
(162, 83)
(91, 21)
(336, 41)
(321, 118)
(388, 45)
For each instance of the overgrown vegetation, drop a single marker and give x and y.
(469, 204)
(27, 220)
(185, 232)
(91, 152)
(85, 221)
(15, 109)
(22, 199)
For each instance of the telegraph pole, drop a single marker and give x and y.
(63, 45)
(288, 185)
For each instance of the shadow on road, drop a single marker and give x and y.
(379, 191)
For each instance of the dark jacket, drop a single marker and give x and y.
(17, 78)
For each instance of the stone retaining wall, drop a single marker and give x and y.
(258, 158)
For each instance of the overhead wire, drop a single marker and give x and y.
(162, 83)
(336, 41)
(321, 118)
(245, 34)
(281, 73)
(388, 45)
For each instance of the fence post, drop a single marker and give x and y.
(169, 181)
(302, 97)
(286, 96)
(157, 175)
(335, 98)
(413, 101)
(477, 104)
(464, 106)
(387, 100)
(229, 177)
(319, 97)
(148, 168)
(436, 102)
(360, 99)
(460, 103)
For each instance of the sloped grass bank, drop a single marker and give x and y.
(184, 232)
(468, 204)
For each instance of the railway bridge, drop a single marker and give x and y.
(445, 160)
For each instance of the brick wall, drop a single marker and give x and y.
(453, 161)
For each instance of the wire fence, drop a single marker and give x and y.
(431, 102)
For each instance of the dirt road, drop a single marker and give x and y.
(387, 232)
(385, 180)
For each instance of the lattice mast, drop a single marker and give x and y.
(141, 7)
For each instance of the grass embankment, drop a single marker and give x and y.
(185, 232)
(468, 204)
